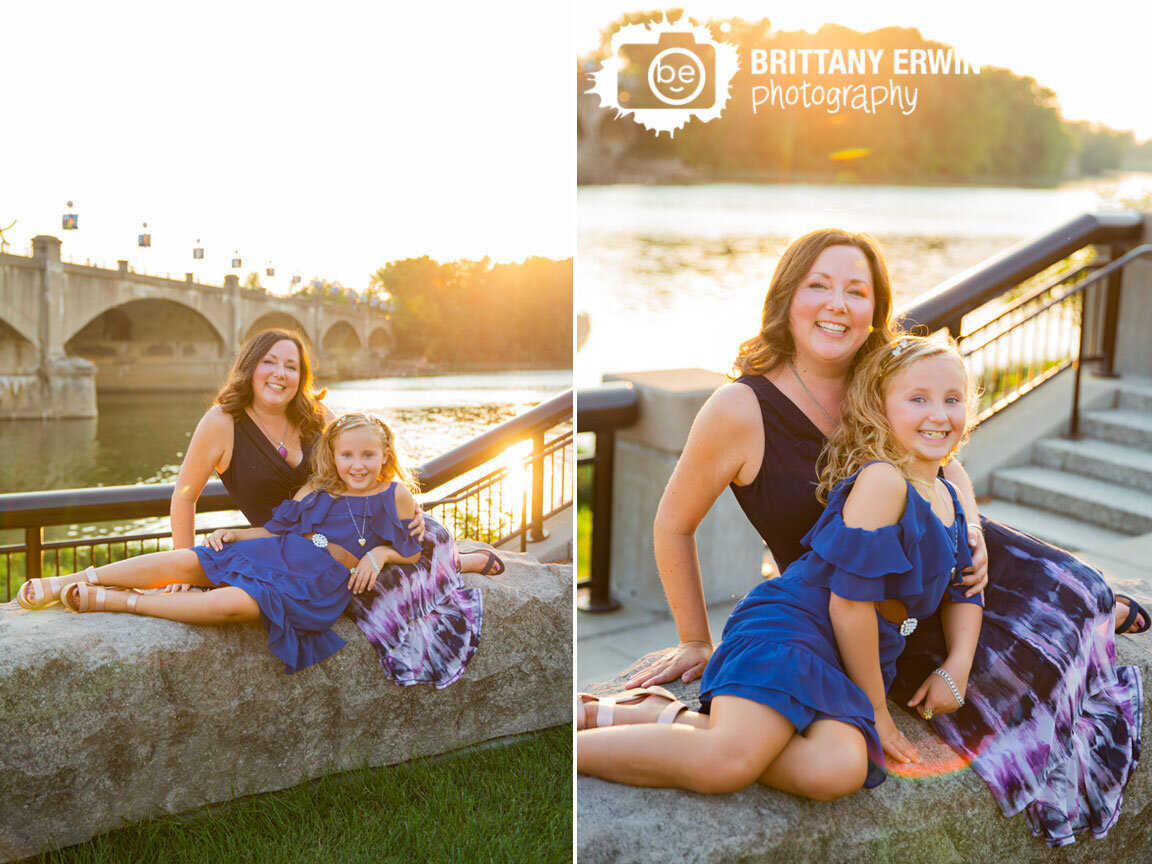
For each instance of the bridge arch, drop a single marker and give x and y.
(341, 338)
(380, 341)
(152, 344)
(280, 321)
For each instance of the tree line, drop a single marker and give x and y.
(477, 312)
(994, 127)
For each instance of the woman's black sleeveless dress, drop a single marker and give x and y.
(1050, 722)
(258, 478)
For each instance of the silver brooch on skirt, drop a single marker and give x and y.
(908, 626)
(322, 541)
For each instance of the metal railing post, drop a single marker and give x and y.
(1107, 367)
(1074, 420)
(33, 542)
(599, 595)
(538, 532)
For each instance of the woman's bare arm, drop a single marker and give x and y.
(208, 451)
(726, 443)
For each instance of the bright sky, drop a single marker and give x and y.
(325, 139)
(1094, 58)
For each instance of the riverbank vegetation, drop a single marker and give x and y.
(461, 313)
(994, 127)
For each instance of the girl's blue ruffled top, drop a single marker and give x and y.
(911, 561)
(338, 518)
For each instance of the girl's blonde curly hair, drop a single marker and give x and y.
(324, 473)
(864, 434)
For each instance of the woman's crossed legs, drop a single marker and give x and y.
(739, 743)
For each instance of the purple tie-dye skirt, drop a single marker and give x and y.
(1050, 722)
(423, 622)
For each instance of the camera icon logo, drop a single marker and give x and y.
(676, 72)
(666, 73)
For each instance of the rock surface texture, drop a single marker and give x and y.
(945, 816)
(119, 717)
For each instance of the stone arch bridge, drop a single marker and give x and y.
(68, 331)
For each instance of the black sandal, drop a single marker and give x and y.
(1135, 610)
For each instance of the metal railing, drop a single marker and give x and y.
(1038, 308)
(602, 411)
(549, 465)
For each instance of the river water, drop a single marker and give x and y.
(142, 438)
(674, 276)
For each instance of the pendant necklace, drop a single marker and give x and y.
(810, 396)
(280, 448)
(359, 533)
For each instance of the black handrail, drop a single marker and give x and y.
(947, 303)
(609, 407)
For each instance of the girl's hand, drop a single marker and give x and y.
(219, 537)
(686, 662)
(416, 526)
(363, 578)
(896, 746)
(976, 576)
(935, 697)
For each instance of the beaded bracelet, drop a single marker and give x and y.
(951, 686)
(376, 567)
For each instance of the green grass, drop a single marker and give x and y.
(497, 804)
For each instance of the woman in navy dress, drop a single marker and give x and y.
(795, 695)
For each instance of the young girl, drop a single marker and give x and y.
(795, 695)
(340, 535)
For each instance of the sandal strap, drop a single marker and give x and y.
(671, 712)
(605, 711)
(133, 597)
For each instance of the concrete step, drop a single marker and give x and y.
(1128, 511)
(1131, 428)
(1062, 531)
(1114, 463)
(1135, 396)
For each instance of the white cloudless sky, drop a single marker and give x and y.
(1094, 57)
(323, 139)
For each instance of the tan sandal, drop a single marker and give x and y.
(45, 596)
(606, 706)
(83, 597)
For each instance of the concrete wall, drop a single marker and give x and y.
(1134, 344)
(731, 552)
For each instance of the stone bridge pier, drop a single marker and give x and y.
(68, 332)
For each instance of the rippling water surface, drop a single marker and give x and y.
(674, 276)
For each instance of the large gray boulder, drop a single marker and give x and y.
(118, 717)
(946, 816)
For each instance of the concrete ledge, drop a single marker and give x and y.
(947, 818)
(119, 717)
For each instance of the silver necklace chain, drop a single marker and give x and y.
(359, 533)
(810, 396)
(272, 437)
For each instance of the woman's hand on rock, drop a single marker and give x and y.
(686, 661)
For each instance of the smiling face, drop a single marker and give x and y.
(832, 308)
(359, 457)
(925, 407)
(276, 377)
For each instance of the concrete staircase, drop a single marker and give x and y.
(1089, 493)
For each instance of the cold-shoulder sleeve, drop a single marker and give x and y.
(389, 527)
(299, 517)
(855, 563)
